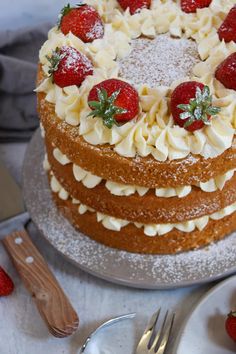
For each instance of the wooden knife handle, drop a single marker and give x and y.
(52, 303)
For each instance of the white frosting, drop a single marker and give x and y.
(57, 188)
(154, 133)
(60, 157)
(90, 181)
(115, 224)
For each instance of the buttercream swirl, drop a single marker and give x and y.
(115, 224)
(153, 132)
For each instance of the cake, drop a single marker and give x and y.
(137, 106)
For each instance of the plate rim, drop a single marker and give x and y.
(201, 301)
(103, 274)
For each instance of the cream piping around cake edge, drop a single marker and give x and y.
(211, 142)
(115, 224)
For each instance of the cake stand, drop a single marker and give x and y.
(141, 271)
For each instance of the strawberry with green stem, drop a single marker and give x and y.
(68, 66)
(115, 101)
(191, 105)
(83, 21)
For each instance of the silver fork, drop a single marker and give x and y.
(155, 343)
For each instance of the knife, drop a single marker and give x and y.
(52, 303)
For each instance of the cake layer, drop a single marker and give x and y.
(133, 239)
(147, 208)
(120, 189)
(103, 161)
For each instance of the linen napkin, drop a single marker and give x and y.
(18, 67)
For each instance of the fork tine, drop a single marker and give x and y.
(159, 333)
(166, 335)
(147, 335)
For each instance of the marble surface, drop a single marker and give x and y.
(23, 331)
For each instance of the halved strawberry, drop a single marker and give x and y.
(191, 105)
(69, 66)
(6, 284)
(227, 30)
(230, 325)
(135, 5)
(115, 101)
(226, 72)
(83, 21)
(190, 6)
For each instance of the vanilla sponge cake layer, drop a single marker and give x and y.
(145, 209)
(133, 239)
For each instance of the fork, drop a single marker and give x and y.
(155, 343)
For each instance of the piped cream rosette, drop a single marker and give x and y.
(153, 132)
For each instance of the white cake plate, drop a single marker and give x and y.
(141, 271)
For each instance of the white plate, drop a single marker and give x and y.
(137, 270)
(204, 331)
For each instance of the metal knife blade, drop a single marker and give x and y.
(11, 201)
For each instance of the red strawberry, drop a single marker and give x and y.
(227, 30)
(69, 66)
(135, 5)
(190, 6)
(191, 105)
(230, 325)
(226, 72)
(6, 284)
(83, 21)
(115, 101)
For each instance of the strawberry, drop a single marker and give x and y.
(226, 72)
(191, 105)
(83, 21)
(69, 66)
(230, 325)
(6, 284)
(190, 6)
(135, 5)
(115, 101)
(227, 30)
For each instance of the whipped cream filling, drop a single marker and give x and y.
(115, 224)
(90, 181)
(154, 132)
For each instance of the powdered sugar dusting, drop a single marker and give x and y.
(96, 31)
(76, 61)
(144, 271)
(159, 61)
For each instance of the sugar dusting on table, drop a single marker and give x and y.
(159, 61)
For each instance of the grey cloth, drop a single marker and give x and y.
(18, 67)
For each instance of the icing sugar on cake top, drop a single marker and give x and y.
(159, 61)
